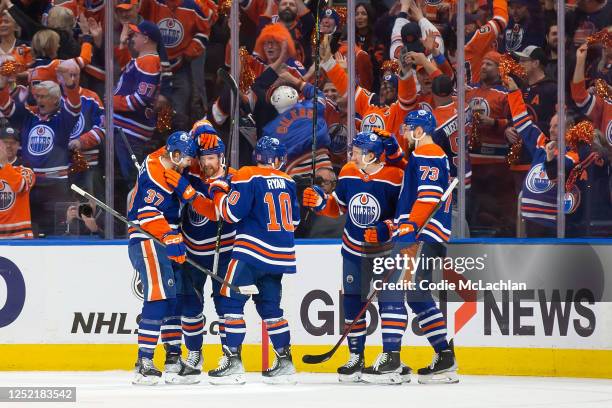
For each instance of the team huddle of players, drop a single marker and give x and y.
(240, 225)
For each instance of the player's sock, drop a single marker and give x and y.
(149, 327)
(220, 313)
(356, 337)
(222, 331)
(432, 324)
(171, 332)
(278, 330)
(192, 322)
(235, 330)
(193, 329)
(394, 319)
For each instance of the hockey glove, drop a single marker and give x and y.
(381, 232)
(393, 151)
(406, 232)
(208, 141)
(175, 248)
(314, 197)
(218, 186)
(180, 185)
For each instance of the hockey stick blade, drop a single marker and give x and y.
(318, 358)
(245, 290)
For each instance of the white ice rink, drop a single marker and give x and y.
(113, 388)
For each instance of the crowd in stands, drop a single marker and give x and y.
(166, 54)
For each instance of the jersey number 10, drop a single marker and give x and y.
(286, 216)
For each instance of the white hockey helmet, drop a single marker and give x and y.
(283, 98)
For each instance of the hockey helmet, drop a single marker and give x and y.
(283, 98)
(182, 143)
(268, 149)
(369, 142)
(421, 118)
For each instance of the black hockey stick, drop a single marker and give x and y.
(245, 290)
(129, 148)
(231, 82)
(320, 358)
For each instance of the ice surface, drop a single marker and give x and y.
(106, 388)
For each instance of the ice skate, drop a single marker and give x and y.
(282, 370)
(230, 370)
(145, 372)
(178, 371)
(352, 370)
(387, 369)
(442, 370)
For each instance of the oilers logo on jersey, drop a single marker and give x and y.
(371, 122)
(78, 128)
(172, 31)
(338, 134)
(537, 181)
(609, 133)
(571, 200)
(514, 38)
(364, 209)
(479, 104)
(433, 2)
(40, 140)
(196, 219)
(7, 196)
(425, 106)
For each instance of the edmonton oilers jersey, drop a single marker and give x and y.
(425, 179)
(539, 198)
(154, 206)
(44, 139)
(263, 204)
(368, 199)
(200, 233)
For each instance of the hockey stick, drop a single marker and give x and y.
(245, 290)
(320, 358)
(231, 82)
(129, 147)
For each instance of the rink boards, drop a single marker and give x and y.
(71, 306)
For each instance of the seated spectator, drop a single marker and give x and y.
(82, 220)
(552, 39)
(45, 133)
(15, 184)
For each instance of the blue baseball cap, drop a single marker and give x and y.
(148, 28)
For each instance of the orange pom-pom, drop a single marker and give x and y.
(603, 37)
(11, 68)
(515, 152)
(507, 66)
(247, 74)
(164, 119)
(602, 89)
(391, 66)
(78, 164)
(581, 132)
(225, 6)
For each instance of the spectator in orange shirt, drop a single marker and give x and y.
(15, 184)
